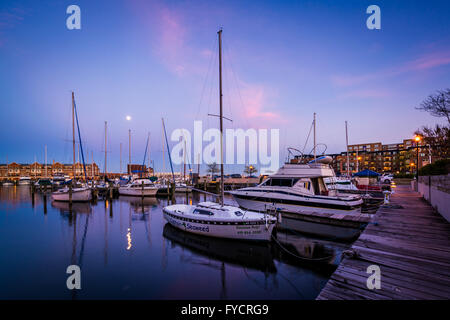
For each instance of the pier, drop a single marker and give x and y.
(410, 242)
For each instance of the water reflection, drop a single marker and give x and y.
(251, 255)
(127, 251)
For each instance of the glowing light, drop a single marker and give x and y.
(129, 239)
(417, 138)
(128, 118)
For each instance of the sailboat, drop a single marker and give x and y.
(82, 193)
(219, 220)
(141, 187)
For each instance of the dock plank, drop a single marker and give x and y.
(410, 242)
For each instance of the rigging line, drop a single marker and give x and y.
(216, 58)
(79, 137)
(206, 77)
(227, 97)
(307, 139)
(236, 83)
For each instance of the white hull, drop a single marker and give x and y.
(262, 206)
(138, 192)
(78, 194)
(242, 232)
(182, 189)
(24, 183)
(7, 184)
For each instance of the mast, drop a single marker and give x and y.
(46, 161)
(184, 161)
(73, 131)
(129, 146)
(314, 121)
(221, 117)
(120, 158)
(148, 159)
(348, 159)
(105, 146)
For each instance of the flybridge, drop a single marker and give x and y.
(304, 170)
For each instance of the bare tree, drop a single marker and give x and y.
(438, 139)
(212, 168)
(438, 105)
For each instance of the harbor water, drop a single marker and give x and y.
(125, 250)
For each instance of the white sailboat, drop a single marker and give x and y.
(219, 220)
(83, 193)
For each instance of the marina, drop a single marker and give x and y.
(225, 151)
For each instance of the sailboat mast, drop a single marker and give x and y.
(314, 121)
(221, 118)
(73, 131)
(106, 123)
(346, 141)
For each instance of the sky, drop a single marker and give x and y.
(282, 61)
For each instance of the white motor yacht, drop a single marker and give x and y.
(141, 187)
(78, 194)
(24, 181)
(298, 188)
(341, 184)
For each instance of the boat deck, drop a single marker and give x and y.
(411, 245)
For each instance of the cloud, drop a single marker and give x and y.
(10, 18)
(425, 62)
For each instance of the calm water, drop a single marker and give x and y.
(126, 251)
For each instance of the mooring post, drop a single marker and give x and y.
(70, 194)
(142, 191)
(172, 191)
(45, 201)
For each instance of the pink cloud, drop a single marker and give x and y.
(425, 62)
(256, 107)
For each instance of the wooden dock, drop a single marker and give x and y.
(411, 245)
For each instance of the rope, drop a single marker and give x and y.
(297, 256)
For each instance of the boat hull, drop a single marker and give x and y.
(254, 232)
(24, 183)
(137, 192)
(77, 195)
(260, 205)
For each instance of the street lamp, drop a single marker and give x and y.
(417, 138)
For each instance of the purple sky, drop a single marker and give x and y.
(283, 60)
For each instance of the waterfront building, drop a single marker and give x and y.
(14, 171)
(399, 158)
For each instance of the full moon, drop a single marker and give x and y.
(128, 118)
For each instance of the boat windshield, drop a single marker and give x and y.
(204, 212)
(280, 182)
